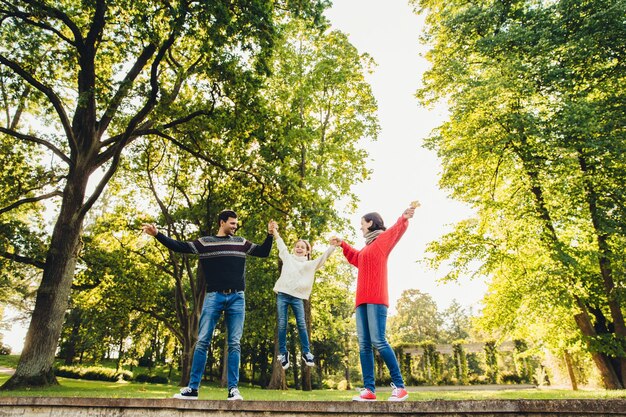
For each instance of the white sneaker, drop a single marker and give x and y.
(308, 359)
(187, 394)
(234, 394)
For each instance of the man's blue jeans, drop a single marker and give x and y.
(283, 301)
(371, 323)
(234, 307)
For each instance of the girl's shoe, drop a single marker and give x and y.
(308, 359)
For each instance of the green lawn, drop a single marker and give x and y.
(82, 388)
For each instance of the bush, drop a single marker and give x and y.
(4, 349)
(342, 385)
(511, 378)
(93, 373)
(152, 379)
(329, 384)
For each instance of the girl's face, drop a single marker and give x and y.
(365, 226)
(300, 249)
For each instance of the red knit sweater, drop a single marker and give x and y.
(371, 286)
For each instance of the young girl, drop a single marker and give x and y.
(293, 286)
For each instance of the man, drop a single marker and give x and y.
(223, 262)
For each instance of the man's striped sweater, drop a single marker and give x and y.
(222, 258)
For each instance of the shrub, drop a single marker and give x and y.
(93, 373)
(151, 379)
(511, 378)
(342, 385)
(4, 349)
(329, 384)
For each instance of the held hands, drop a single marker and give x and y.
(335, 241)
(272, 228)
(149, 229)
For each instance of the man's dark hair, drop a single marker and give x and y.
(377, 221)
(225, 215)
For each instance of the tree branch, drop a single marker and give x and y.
(58, 14)
(23, 201)
(48, 92)
(39, 141)
(23, 259)
(25, 17)
(123, 89)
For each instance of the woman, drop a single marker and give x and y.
(372, 299)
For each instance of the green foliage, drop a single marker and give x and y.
(417, 318)
(460, 362)
(535, 143)
(491, 361)
(93, 373)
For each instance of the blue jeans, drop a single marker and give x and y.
(371, 323)
(283, 301)
(234, 307)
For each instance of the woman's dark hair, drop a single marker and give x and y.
(377, 221)
(225, 215)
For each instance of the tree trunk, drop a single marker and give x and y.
(306, 370)
(35, 367)
(224, 381)
(277, 380)
(570, 370)
(293, 358)
(603, 363)
(604, 260)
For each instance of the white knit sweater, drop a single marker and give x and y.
(298, 273)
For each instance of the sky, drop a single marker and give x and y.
(403, 170)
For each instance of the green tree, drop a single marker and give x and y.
(417, 319)
(455, 322)
(320, 106)
(99, 75)
(533, 144)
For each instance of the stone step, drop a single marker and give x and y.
(132, 407)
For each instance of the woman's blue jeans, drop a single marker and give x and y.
(283, 301)
(371, 323)
(234, 307)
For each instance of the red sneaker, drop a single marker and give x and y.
(365, 395)
(398, 394)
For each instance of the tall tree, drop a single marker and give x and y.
(535, 143)
(320, 107)
(98, 75)
(417, 318)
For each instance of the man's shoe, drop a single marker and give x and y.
(398, 394)
(187, 394)
(234, 394)
(365, 395)
(308, 359)
(283, 358)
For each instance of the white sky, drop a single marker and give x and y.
(403, 171)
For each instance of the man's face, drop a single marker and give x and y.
(229, 227)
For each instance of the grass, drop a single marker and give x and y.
(82, 388)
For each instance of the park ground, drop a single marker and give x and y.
(212, 391)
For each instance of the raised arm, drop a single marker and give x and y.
(175, 245)
(263, 250)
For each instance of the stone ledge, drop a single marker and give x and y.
(132, 407)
